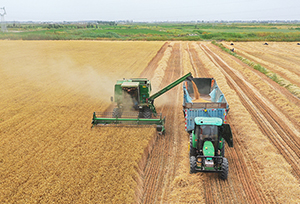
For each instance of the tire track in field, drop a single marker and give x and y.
(237, 173)
(159, 170)
(159, 144)
(148, 72)
(197, 63)
(282, 137)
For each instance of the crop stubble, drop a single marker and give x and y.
(280, 58)
(283, 131)
(256, 168)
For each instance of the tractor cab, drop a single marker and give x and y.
(207, 135)
(207, 143)
(211, 130)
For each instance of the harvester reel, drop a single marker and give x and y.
(117, 113)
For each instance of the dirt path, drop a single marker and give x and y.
(270, 123)
(148, 72)
(160, 168)
(166, 182)
(285, 139)
(241, 185)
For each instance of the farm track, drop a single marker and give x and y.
(153, 173)
(159, 171)
(236, 192)
(148, 72)
(197, 64)
(284, 139)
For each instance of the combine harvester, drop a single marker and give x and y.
(205, 120)
(134, 105)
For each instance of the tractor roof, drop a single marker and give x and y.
(208, 121)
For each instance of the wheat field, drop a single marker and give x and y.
(50, 154)
(49, 91)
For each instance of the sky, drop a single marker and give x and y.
(150, 10)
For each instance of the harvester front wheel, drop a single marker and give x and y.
(117, 113)
(224, 168)
(193, 164)
(147, 113)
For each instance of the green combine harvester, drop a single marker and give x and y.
(135, 105)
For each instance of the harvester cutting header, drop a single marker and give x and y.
(135, 105)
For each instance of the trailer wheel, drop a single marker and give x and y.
(116, 113)
(147, 113)
(224, 169)
(193, 164)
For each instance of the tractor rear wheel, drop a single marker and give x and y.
(193, 164)
(224, 168)
(117, 113)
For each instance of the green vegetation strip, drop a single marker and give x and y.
(189, 31)
(295, 90)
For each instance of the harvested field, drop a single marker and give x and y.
(48, 153)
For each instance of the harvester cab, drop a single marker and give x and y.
(131, 95)
(134, 105)
(207, 142)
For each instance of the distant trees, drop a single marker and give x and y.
(111, 23)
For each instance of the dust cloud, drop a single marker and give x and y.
(66, 76)
(86, 80)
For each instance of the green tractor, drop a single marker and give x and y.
(207, 142)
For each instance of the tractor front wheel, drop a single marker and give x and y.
(224, 169)
(193, 164)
